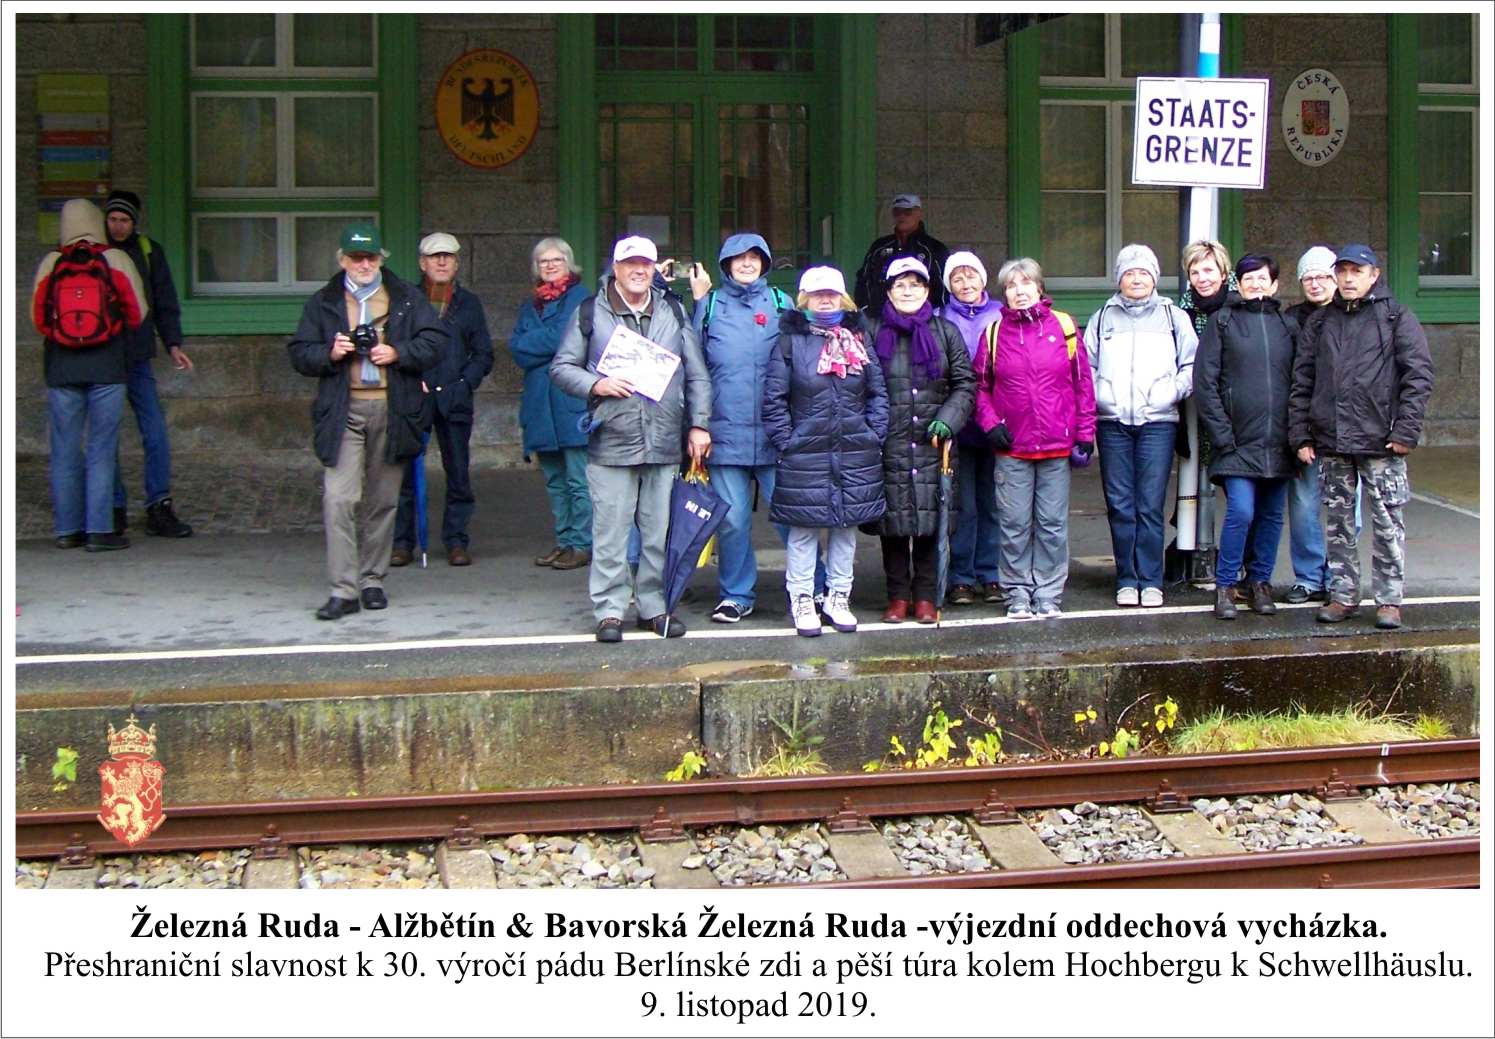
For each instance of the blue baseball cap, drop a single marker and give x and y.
(1361, 254)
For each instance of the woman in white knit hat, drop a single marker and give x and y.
(1141, 351)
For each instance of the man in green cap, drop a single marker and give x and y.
(366, 337)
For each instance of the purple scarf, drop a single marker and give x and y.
(922, 347)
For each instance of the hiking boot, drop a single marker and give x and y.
(610, 630)
(1225, 602)
(961, 595)
(838, 612)
(121, 519)
(1388, 618)
(1261, 598)
(806, 617)
(399, 556)
(994, 592)
(550, 557)
(572, 559)
(161, 521)
(666, 625)
(106, 543)
(924, 611)
(897, 611)
(1334, 612)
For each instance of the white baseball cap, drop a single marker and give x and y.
(822, 279)
(905, 264)
(635, 247)
(440, 242)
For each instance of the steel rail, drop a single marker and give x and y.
(1445, 862)
(663, 809)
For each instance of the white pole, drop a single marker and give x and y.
(1204, 222)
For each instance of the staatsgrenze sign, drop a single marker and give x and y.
(1203, 133)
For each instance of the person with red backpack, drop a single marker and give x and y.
(85, 301)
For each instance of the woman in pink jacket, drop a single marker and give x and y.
(1035, 401)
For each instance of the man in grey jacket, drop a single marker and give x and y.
(633, 450)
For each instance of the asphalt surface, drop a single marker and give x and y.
(228, 606)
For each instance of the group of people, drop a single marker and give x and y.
(842, 411)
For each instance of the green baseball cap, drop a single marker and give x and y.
(362, 237)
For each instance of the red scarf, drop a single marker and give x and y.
(550, 291)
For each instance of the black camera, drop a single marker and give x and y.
(365, 338)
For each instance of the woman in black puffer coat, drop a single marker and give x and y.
(931, 390)
(826, 410)
(1242, 379)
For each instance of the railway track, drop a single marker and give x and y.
(990, 799)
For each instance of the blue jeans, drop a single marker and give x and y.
(973, 544)
(1254, 511)
(145, 402)
(84, 435)
(1305, 532)
(737, 566)
(1135, 462)
(453, 439)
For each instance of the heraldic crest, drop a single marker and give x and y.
(130, 784)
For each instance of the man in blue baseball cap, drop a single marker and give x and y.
(908, 239)
(1362, 376)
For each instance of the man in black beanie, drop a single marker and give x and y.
(122, 213)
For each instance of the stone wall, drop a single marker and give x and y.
(942, 129)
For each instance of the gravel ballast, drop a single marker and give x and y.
(586, 860)
(1089, 834)
(754, 856)
(927, 844)
(1432, 809)
(1273, 823)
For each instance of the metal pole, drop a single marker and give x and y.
(1204, 220)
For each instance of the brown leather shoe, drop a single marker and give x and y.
(1261, 598)
(1335, 612)
(1225, 602)
(572, 559)
(457, 556)
(549, 557)
(924, 611)
(1388, 618)
(897, 611)
(961, 595)
(400, 557)
(994, 593)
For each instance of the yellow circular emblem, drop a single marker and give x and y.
(487, 108)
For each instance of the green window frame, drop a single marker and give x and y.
(171, 209)
(842, 92)
(1025, 96)
(1433, 303)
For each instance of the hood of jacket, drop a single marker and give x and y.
(81, 221)
(736, 245)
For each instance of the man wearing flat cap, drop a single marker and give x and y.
(452, 381)
(1362, 376)
(908, 239)
(366, 337)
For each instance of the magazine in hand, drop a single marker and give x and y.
(648, 366)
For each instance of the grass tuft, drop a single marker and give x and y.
(1215, 733)
(787, 762)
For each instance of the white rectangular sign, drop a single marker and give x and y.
(1203, 133)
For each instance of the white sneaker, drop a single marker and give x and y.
(1152, 597)
(1019, 610)
(837, 610)
(1047, 610)
(1126, 597)
(806, 617)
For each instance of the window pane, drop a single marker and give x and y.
(234, 40)
(1445, 48)
(1151, 217)
(644, 42)
(1445, 146)
(763, 43)
(334, 41)
(235, 143)
(1445, 243)
(1074, 45)
(765, 176)
(1074, 236)
(317, 240)
(236, 248)
(651, 192)
(1073, 140)
(335, 142)
(1149, 45)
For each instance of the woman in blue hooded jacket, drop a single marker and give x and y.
(547, 416)
(738, 324)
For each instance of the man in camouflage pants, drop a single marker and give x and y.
(1362, 376)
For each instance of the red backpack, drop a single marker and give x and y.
(82, 308)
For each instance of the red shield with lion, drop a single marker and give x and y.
(130, 782)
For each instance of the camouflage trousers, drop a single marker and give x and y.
(1386, 486)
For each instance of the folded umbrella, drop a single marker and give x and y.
(942, 531)
(696, 511)
(418, 485)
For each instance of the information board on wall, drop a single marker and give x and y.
(73, 145)
(1203, 133)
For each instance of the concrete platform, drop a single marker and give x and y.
(488, 676)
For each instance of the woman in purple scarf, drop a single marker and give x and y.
(931, 389)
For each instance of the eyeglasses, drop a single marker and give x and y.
(361, 258)
(550, 261)
(1317, 277)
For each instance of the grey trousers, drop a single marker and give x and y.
(359, 498)
(803, 551)
(623, 495)
(1033, 522)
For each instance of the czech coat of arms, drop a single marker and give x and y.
(130, 783)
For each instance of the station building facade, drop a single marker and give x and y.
(252, 138)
